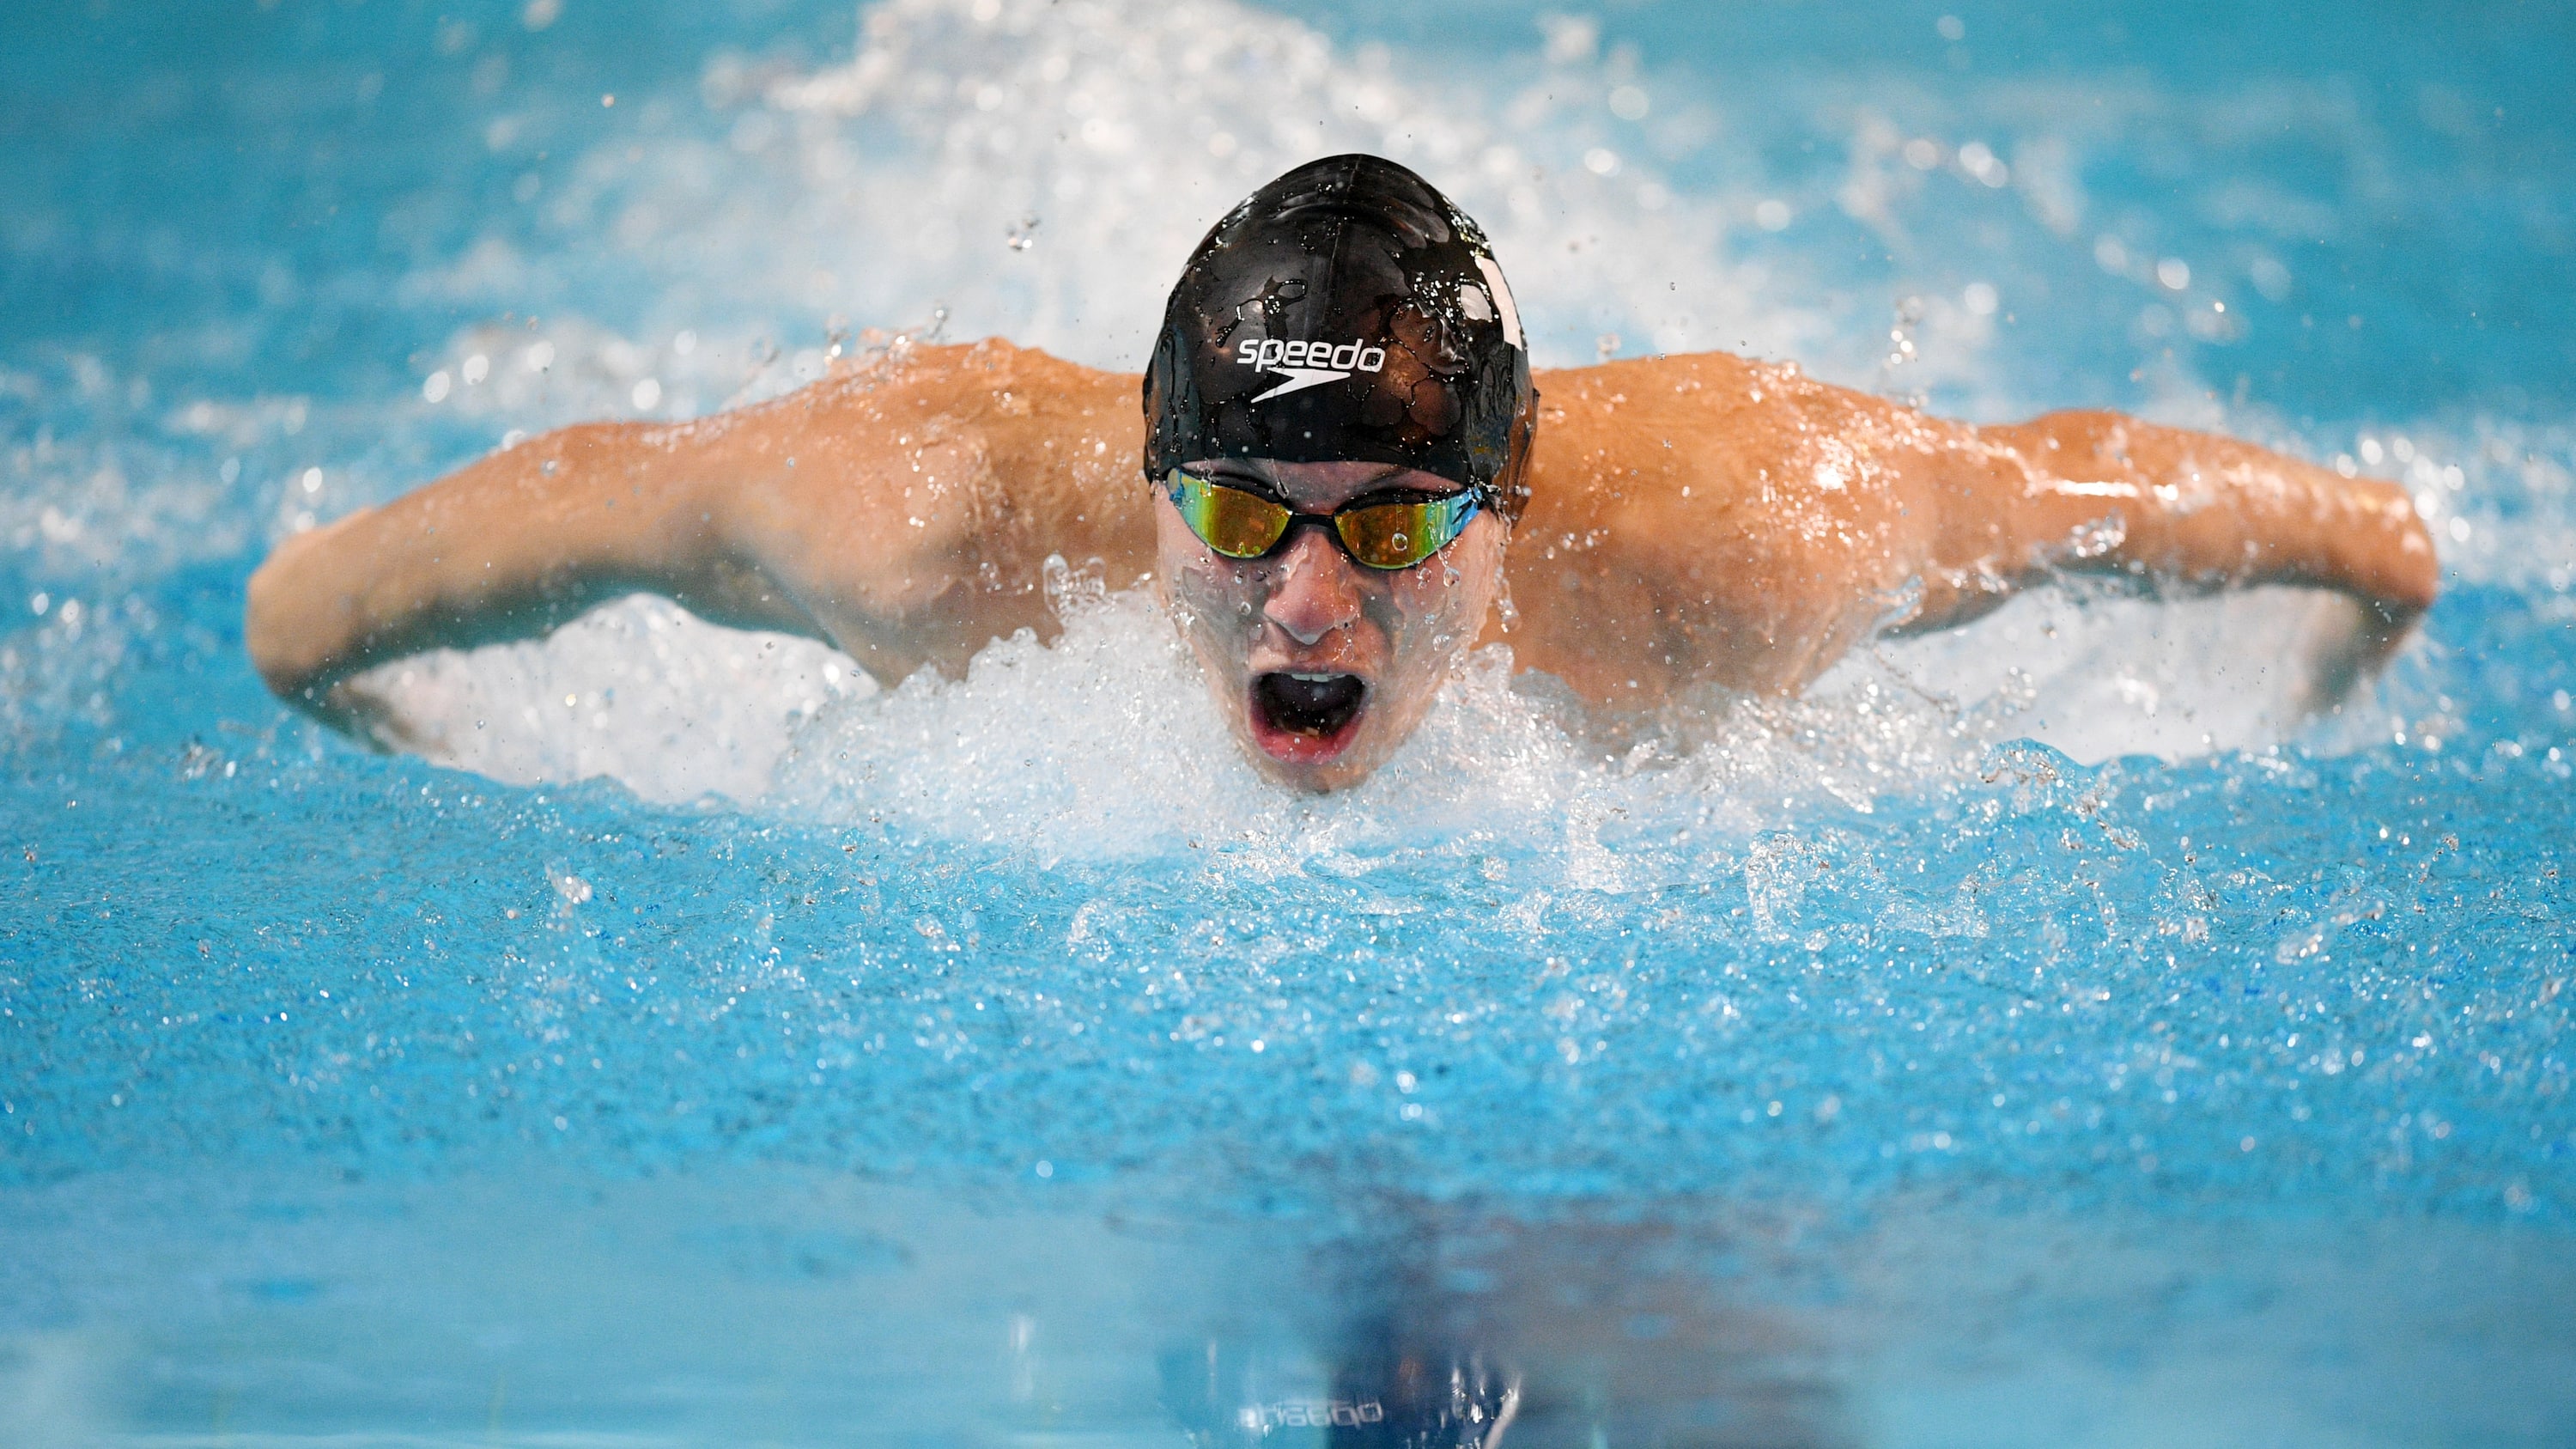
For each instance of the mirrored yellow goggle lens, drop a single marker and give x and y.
(1400, 535)
(1239, 524)
(1232, 522)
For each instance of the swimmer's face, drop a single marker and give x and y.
(1322, 666)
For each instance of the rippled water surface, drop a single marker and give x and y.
(2056, 1033)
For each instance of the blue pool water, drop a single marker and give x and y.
(2049, 1034)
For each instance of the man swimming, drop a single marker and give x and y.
(1345, 453)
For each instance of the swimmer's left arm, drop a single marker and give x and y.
(2099, 492)
(1702, 518)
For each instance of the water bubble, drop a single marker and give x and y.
(1571, 39)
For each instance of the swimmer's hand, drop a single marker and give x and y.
(2358, 652)
(287, 619)
(299, 660)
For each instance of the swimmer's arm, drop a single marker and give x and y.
(509, 547)
(2098, 492)
(1701, 518)
(903, 512)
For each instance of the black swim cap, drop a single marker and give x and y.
(1345, 312)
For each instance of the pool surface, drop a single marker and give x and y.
(2069, 1031)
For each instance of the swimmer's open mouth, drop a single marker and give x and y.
(1303, 718)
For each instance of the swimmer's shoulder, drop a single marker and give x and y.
(1646, 429)
(1686, 400)
(1045, 448)
(1728, 428)
(1715, 474)
(1637, 457)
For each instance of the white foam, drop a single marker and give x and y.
(1104, 744)
(638, 690)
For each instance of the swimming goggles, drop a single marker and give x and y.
(1382, 531)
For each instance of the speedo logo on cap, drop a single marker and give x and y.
(1306, 364)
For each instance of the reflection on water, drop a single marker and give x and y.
(825, 1313)
(1468, 1328)
(812, 1309)
(1420, 1338)
(1431, 1396)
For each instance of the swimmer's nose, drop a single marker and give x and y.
(1315, 592)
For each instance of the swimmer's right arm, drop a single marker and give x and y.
(902, 512)
(507, 547)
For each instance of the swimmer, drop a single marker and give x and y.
(1344, 455)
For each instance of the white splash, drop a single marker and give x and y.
(639, 690)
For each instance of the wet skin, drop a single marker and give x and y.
(1692, 520)
(1320, 665)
